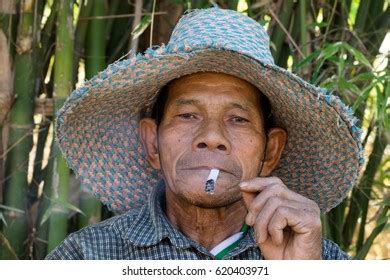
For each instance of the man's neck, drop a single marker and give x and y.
(207, 226)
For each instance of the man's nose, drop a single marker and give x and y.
(212, 136)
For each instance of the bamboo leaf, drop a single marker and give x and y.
(307, 60)
(11, 209)
(8, 245)
(58, 203)
(382, 220)
(317, 24)
(3, 219)
(46, 214)
(141, 27)
(358, 55)
(362, 97)
(347, 85)
(70, 207)
(383, 97)
(386, 201)
(330, 50)
(366, 76)
(328, 53)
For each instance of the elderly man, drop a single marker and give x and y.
(184, 141)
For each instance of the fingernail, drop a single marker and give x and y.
(243, 185)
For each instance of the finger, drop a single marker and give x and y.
(259, 183)
(276, 185)
(279, 221)
(256, 204)
(267, 212)
(301, 225)
(301, 221)
(251, 188)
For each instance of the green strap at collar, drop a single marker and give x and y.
(229, 248)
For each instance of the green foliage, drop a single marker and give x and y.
(141, 27)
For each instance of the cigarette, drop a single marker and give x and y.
(211, 181)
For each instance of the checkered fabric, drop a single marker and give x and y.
(146, 234)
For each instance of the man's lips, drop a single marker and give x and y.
(199, 174)
(205, 161)
(208, 168)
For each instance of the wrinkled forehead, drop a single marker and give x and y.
(212, 81)
(208, 85)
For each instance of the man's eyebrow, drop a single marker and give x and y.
(240, 106)
(186, 101)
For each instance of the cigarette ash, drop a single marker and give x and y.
(211, 181)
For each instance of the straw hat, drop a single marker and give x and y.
(97, 128)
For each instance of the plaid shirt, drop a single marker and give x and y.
(147, 234)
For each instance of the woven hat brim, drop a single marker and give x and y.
(97, 129)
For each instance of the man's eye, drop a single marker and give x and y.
(187, 116)
(239, 120)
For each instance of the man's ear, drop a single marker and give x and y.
(148, 133)
(277, 138)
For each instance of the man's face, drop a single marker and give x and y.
(210, 120)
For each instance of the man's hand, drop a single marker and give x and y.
(287, 225)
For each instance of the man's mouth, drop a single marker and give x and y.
(200, 164)
(208, 168)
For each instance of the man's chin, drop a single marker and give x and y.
(210, 201)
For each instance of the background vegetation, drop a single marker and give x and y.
(48, 47)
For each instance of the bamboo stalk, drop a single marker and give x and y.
(42, 67)
(5, 104)
(341, 17)
(96, 42)
(95, 62)
(363, 251)
(377, 25)
(63, 70)
(8, 23)
(136, 20)
(21, 124)
(380, 144)
(232, 4)
(152, 24)
(283, 55)
(335, 222)
(112, 13)
(278, 34)
(303, 25)
(80, 35)
(122, 16)
(361, 16)
(38, 172)
(362, 193)
(117, 43)
(40, 248)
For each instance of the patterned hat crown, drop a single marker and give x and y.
(221, 29)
